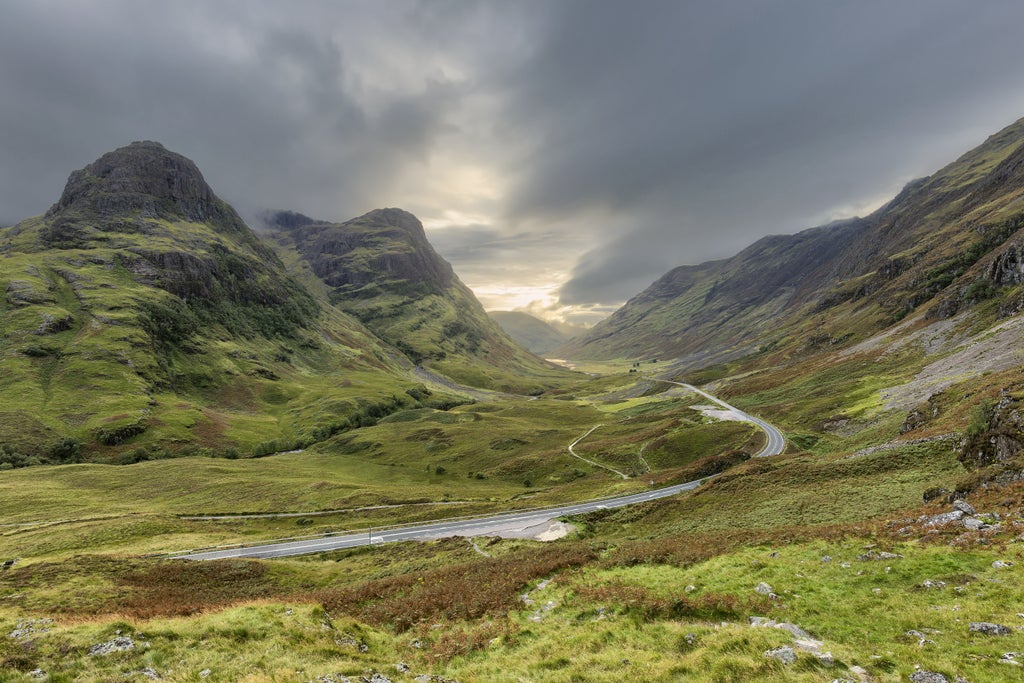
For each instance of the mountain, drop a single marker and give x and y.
(141, 317)
(947, 243)
(381, 269)
(535, 334)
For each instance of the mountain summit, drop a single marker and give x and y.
(147, 178)
(145, 293)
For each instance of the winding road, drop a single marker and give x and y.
(483, 526)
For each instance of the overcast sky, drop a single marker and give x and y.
(562, 154)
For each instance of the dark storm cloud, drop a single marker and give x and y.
(595, 143)
(694, 128)
(271, 111)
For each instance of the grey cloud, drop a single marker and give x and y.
(615, 140)
(699, 127)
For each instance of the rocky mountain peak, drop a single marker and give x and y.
(396, 218)
(148, 178)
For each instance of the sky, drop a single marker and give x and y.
(562, 154)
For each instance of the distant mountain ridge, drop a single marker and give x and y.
(946, 243)
(535, 334)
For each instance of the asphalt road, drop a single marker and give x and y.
(776, 441)
(482, 526)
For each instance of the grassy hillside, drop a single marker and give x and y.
(381, 269)
(141, 318)
(948, 243)
(662, 590)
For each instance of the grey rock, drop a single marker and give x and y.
(402, 668)
(928, 583)
(784, 654)
(803, 636)
(29, 627)
(1002, 564)
(763, 588)
(205, 673)
(964, 507)
(826, 558)
(37, 673)
(923, 676)
(973, 523)
(1010, 658)
(942, 519)
(872, 555)
(989, 628)
(118, 644)
(375, 678)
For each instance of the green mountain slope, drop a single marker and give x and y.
(535, 334)
(381, 269)
(945, 244)
(141, 317)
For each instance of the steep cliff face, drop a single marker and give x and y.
(383, 251)
(944, 245)
(381, 268)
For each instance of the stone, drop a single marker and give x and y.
(1010, 658)
(784, 654)
(764, 589)
(375, 678)
(205, 673)
(118, 644)
(923, 676)
(942, 519)
(973, 523)
(876, 555)
(1002, 564)
(690, 588)
(402, 668)
(928, 583)
(826, 558)
(989, 629)
(37, 673)
(964, 507)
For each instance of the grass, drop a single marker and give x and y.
(617, 605)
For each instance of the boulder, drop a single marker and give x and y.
(784, 654)
(118, 644)
(989, 629)
(964, 507)
(923, 676)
